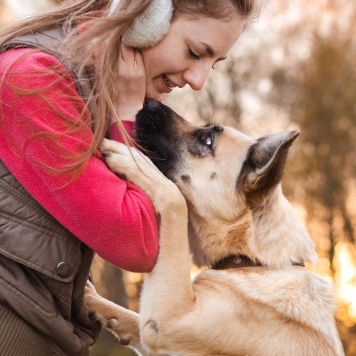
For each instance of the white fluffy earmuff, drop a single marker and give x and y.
(151, 26)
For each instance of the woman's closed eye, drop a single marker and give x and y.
(192, 54)
(196, 56)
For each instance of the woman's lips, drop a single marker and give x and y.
(167, 84)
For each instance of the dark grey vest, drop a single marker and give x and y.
(43, 267)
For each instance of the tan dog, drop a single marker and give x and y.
(255, 298)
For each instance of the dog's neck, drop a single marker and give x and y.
(270, 234)
(241, 261)
(279, 237)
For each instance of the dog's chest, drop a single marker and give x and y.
(293, 293)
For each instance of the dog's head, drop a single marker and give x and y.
(232, 187)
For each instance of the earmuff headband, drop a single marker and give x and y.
(151, 26)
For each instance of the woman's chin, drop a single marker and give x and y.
(155, 96)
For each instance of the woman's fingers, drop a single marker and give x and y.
(131, 58)
(132, 82)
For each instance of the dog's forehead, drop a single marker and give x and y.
(238, 141)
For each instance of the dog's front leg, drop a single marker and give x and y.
(167, 292)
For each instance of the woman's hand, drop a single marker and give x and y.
(132, 83)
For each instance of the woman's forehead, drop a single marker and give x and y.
(215, 35)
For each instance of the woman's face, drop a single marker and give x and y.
(188, 52)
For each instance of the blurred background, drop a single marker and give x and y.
(295, 68)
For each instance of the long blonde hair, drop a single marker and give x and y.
(106, 31)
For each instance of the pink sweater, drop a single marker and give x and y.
(113, 217)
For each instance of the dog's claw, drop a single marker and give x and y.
(93, 316)
(105, 154)
(122, 176)
(111, 323)
(124, 341)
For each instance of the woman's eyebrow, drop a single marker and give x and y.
(211, 52)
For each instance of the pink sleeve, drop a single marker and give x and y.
(114, 133)
(113, 217)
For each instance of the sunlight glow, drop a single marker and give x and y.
(346, 282)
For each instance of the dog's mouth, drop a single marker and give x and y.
(154, 133)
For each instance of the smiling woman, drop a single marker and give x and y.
(69, 78)
(187, 54)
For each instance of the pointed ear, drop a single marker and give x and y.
(264, 166)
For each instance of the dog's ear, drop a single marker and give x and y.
(264, 165)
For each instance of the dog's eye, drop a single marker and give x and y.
(207, 140)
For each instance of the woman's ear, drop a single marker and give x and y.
(150, 27)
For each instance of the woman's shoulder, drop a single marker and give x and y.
(30, 68)
(27, 59)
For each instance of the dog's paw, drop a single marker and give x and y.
(134, 166)
(98, 307)
(129, 162)
(93, 303)
(125, 339)
(123, 323)
(90, 289)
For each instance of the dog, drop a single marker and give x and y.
(217, 195)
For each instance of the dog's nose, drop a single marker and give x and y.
(151, 104)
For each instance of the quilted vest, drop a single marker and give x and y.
(44, 267)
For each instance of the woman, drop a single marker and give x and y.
(68, 79)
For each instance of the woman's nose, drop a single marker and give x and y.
(196, 77)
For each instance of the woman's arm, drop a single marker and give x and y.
(112, 216)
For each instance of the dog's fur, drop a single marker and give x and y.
(231, 185)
